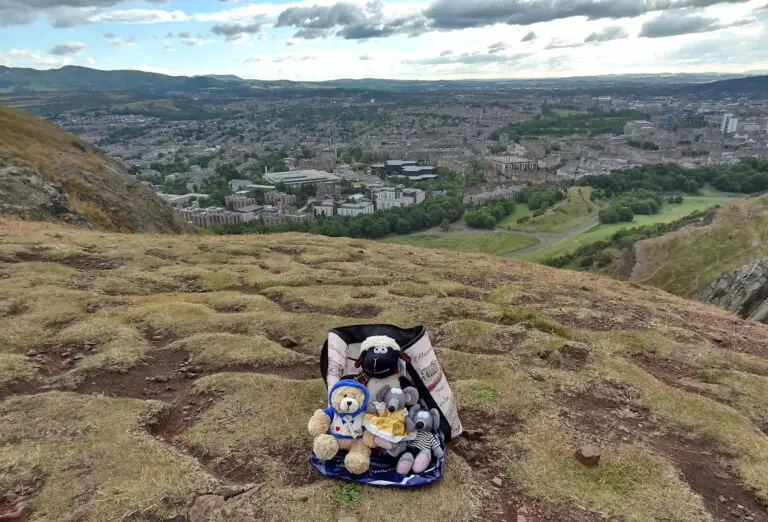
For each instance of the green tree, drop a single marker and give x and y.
(402, 226)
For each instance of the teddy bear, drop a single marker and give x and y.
(340, 426)
(385, 418)
(419, 451)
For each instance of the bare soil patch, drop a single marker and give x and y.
(91, 262)
(703, 468)
(675, 374)
(607, 419)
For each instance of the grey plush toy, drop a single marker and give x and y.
(419, 452)
(390, 400)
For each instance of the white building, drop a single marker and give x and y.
(509, 163)
(386, 198)
(301, 177)
(326, 207)
(412, 196)
(729, 124)
(639, 129)
(358, 208)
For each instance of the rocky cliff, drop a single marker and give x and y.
(743, 291)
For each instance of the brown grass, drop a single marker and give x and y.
(160, 316)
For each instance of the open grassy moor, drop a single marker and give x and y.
(496, 243)
(139, 373)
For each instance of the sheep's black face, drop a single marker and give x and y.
(380, 361)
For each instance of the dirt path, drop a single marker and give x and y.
(550, 239)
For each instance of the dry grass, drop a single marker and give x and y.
(97, 187)
(515, 339)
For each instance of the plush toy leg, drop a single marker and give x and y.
(358, 458)
(383, 444)
(405, 464)
(326, 447)
(422, 462)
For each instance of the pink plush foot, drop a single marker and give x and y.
(421, 462)
(404, 465)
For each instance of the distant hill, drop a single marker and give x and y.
(48, 174)
(749, 85)
(222, 77)
(688, 260)
(17, 80)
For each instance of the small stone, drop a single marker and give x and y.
(79, 357)
(32, 353)
(157, 338)
(740, 507)
(191, 375)
(474, 434)
(348, 519)
(496, 481)
(470, 456)
(544, 353)
(11, 497)
(170, 388)
(537, 377)
(288, 342)
(233, 491)
(64, 355)
(522, 510)
(203, 507)
(722, 499)
(589, 455)
(521, 518)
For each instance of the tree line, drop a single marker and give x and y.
(749, 176)
(489, 215)
(432, 212)
(601, 254)
(623, 207)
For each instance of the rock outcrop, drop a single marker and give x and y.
(743, 291)
(25, 194)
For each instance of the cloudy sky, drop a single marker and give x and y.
(409, 39)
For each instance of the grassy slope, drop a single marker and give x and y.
(574, 211)
(687, 261)
(497, 243)
(101, 439)
(97, 187)
(667, 214)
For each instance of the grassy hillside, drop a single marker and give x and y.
(139, 372)
(687, 261)
(497, 243)
(667, 214)
(577, 209)
(97, 187)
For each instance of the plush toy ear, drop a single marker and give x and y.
(414, 410)
(382, 393)
(411, 395)
(435, 419)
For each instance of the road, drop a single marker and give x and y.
(549, 239)
(545, 239)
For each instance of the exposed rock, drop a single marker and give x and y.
(496, 481)
(237, 490)
(544, 353)
(203, 507)
(348, 519)
(743, 292)
(288, 342)
(24, 194)
(589, 455)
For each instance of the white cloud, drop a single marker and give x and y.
(119, 43)
(197, 42)
(90, 61)
(140, 16)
